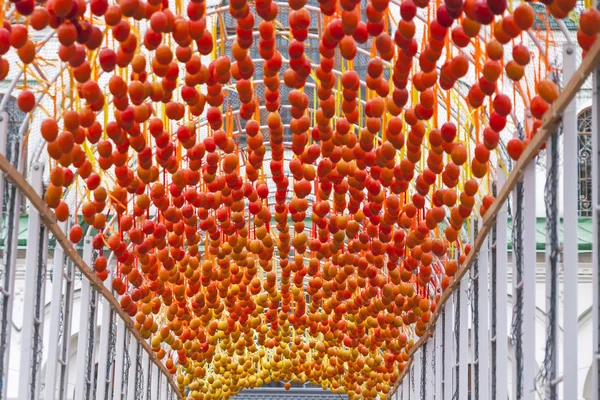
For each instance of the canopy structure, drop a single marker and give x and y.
(268, 191)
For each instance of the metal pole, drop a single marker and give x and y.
(417, 373)
(9, 260)
(483, 343)
(449, 357)
(463, 351)
(439, 364)
(144, 361)
(570, 222)
(163, 387)
(529, 255)
(103, 347)
(155, 383)
(27, 377)
(52, 363)
(501, 312)
(82, 338)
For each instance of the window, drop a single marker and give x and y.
(584, 168)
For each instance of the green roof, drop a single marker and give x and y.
(542, 18)
(584, 234)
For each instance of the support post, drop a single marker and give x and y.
(34, 282)
(103, 347)
(7, 277)
(417, 373)
(162, 394)
(155, 383)
(483, 326)
(449, 357)
(499, 378)
(463, 351)
(85, 315)
(529, 254)
(145, 382)
(439, 360)
(570, 225)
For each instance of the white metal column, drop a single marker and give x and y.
(163, 387)
(145, 368)
(103, 347)
(463, 351)
(7, 279)
(501, 311)
(27, 376)
(596, 231)
(570, 222)
(439, 364)
(484, 343)
(52, 363)
(155, 382)
(85, 315)
(449, 356)
(529, 266)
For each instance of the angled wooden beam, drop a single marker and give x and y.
(550, 123)
(49, 219)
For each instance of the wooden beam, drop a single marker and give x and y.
(49, 219)
(550, 123)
